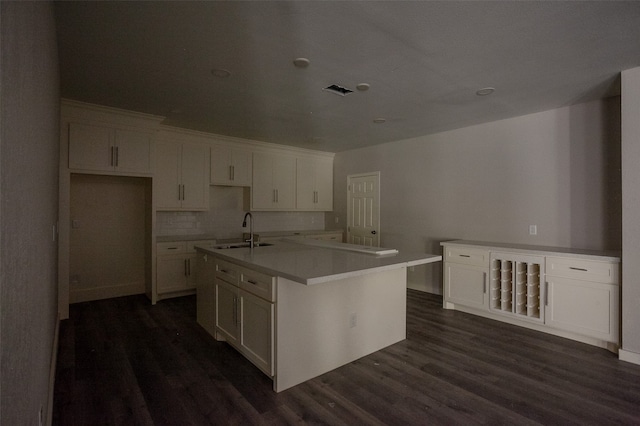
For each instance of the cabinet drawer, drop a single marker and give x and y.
(466, 256)
(177, 247)
(191, 244)
(587, 270)
(262, 285)
(227, 271)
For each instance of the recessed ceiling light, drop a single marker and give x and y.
(301, 62)
(220, 73)
(363, 87)
(379, 120)
(485, 91)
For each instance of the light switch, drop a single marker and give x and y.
(533, 230)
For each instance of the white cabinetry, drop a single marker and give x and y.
(569, 293)
(245, 309)
(466, 273)
(109, 149)
(274, 182)
(314, 184)
(181, 180)
(230, 166)
(206, 292)
(175, 268)
(583, 297)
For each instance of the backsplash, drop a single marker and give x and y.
(227, 206)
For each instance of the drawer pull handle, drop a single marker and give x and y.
(578, 269)
(224, 271)
(464, 255)
(252, 282)
(172, 248)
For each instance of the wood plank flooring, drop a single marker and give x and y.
(125, 362)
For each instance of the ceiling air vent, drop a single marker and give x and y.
(338, 90)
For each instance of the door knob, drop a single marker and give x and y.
(374, 232)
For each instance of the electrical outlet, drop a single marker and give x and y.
(533, 229)
(337, 219)
(353, 319)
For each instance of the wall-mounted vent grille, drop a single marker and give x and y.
(338, 90)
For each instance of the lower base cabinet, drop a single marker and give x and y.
(570, 294)
(245, 311)
(206, 297)
(176, 268)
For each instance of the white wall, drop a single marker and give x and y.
(558, 169)
(631, 216)
(28, 208)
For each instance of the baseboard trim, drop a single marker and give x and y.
(628, 356)
(52, 371)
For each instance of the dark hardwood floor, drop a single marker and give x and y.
(125, 362)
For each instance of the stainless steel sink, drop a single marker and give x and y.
(238, 245)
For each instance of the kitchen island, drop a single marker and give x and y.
(298, 309)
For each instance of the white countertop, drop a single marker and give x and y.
(313, 264)
(611, 256)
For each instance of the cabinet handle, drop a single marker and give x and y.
(189, 267)
(252, 282)
(117, 157)
(186, 270)
(235, 310)
(233, 172)
(578, 269)
(546, 293)
(464, 255)
(277, 196)
(111, 162)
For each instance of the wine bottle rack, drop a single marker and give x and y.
(515, 287)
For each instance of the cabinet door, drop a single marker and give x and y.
(195, 177)
(314, 184)
(284, 182)
(227, 310)
(262, 191)
(171, 273)
(206, 293)
(256, 330)
(241, 161)
(133, 151)
(465, 285)
(583, 307)
(90, 147)
(166, 180)
(324, 185)
(220, 165)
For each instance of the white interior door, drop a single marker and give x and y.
(363, 205)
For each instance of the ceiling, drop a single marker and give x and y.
(423, 62)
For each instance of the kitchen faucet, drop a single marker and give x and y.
(244, 225)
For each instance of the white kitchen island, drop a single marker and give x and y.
(300, 309)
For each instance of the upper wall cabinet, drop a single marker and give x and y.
(107, 149)
(274, 182)
(181, 180)
(230, 166)
(314, 184)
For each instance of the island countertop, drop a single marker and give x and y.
(310, 262)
